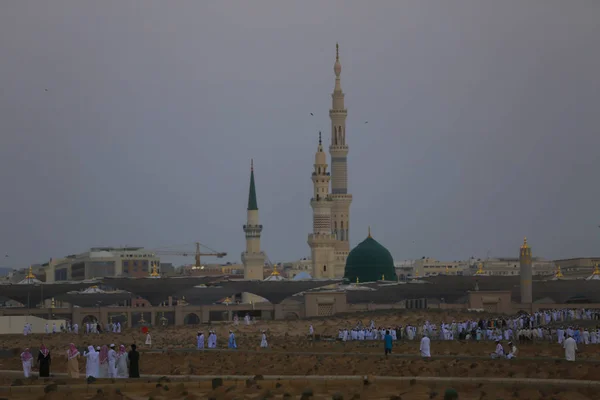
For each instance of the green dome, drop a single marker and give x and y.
(369, 261)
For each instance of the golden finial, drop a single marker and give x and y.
(479, 269)
(337, 52)
(596, 270)
(154, 273)
(30, 274)
(275, 272)
(370, 231)
(525, 245)
(559, 273)
(446, 270)
(382, 277)
(357, 280)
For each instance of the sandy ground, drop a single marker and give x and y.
(287, 355)
(316, 390)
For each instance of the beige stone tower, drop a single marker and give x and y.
(253, 258)
(339, 171)
(322, 241)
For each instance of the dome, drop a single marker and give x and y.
(302, 276)
(369, 262)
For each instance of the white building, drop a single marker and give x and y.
(103, 261)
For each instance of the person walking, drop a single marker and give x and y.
(388, 340)
(27, 360)
(134, 362)
(44, 360)
(73, 361)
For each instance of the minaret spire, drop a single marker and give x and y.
(339, 169)
(253, 258)
(321, 240)
(252, 203)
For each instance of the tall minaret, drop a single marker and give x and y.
(253, 258)
(321, 241)
(339, 170)
(526, 273)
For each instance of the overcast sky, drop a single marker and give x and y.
(134, 122)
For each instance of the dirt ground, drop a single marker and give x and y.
(336, 390)
(287, 355)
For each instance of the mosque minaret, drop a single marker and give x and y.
(322, 241)
(253, 258)
(340, 222)
(329, 241)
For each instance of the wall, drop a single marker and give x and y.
(491, 301)
(15, 324)
(322, 304)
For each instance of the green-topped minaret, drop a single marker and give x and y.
(252, 203)
(253, 258)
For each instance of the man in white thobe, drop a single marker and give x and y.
(513, 351)
(92, 364)
(112, 362)
(570, 346)
(425, 346)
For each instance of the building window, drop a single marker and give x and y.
(324, 268)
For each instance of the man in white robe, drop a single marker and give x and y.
(46, 329)
(112, 362)
(513, 351)
(27, 360)
(570, 346)
(263, 341)
(425, 346)
(92, 364)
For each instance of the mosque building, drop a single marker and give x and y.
(329, 240)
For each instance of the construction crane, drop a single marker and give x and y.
(197, 254)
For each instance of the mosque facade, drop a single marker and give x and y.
(329, 241)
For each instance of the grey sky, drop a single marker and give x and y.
(483, 123)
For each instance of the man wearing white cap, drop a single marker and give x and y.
(112, 362)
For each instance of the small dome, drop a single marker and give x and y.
(369, 262)
(302, 276)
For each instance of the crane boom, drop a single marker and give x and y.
(196, 254)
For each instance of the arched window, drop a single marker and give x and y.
(342, 230)
(324, 268)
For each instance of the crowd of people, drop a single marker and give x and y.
(89, 327)
(101, 362)
(559, 325)
(543, 325)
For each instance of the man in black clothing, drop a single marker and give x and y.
(134, 362)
